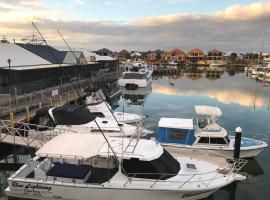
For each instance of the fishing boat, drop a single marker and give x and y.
(139, 75)
(82, 166)
(97, 104)
(205, 133)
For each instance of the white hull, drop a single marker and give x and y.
(244, 153)
(139, 82)
(103, 193)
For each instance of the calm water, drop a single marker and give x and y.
(244, 103)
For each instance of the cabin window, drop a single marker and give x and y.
(217, 141)
(204, 140)
(177, 134)
(165, 164)
(227, 139)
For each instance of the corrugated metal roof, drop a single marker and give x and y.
(46, 52)
(18, 56)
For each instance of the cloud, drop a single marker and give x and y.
(238, 27)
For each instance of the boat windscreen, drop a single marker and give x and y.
(166, 164)
(72, 115)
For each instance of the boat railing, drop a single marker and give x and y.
(204, 178)
(27, 134)
(255, 135)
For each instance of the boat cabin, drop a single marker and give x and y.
(176, 130)
(87, 159)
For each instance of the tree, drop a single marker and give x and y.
(4, 40)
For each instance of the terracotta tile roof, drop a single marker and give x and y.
(195, 50)
(178, 51)
(215, 51)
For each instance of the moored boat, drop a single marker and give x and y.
(139, 75)
(205, 134)
(80, 166)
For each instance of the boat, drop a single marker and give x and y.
(82, 166)
(205, 134)
(76, 118)
(216, 65)
(138, 75)
(97, 105)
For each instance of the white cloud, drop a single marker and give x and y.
(237, 27)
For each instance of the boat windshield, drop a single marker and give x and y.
(164, 167)
(72, 115)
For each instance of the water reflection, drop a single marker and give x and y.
(227, 90)
(136, 97)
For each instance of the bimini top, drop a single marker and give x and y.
(85, 145)
(176, 123)
(71, 115)
(208, 110)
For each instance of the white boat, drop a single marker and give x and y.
(139, 75)
(82, 166)
(216, 65)
(206, 135)
(77, 118)
(97, 105)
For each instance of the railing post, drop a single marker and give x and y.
(51, 102)
(27, 114)
(12, 120)
(60, 100)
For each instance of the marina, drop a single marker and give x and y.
(134, 100)
(162, 88)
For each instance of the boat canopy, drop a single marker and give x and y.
(208, 110)
(85, 145)
(176, 123)
(72, 145)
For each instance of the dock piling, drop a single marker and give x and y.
(237, 143)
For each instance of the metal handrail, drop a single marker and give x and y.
(232, 169)
(255, 135)
(42, 134)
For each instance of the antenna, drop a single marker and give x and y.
(261, 48)
(69, 47)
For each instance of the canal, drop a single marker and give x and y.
(244, 103)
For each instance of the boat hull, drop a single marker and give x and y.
(139, 83)
(179, 149)
(99, 193)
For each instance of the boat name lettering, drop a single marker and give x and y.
(32, 187)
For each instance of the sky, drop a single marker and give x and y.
(228, 25)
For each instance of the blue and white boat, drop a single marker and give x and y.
(205, 134)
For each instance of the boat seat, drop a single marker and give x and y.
(69, 171)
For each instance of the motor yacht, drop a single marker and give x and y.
(97, 105)
(139, 75)
(77, 118)
(80, 166)
(206, 134)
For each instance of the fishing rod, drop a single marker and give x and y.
(84, 105)
(91, 114)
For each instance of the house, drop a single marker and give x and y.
(215, 54)
(123, 55)
(136, 55)
(176, 55)
(195, 55)
(104, 52)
